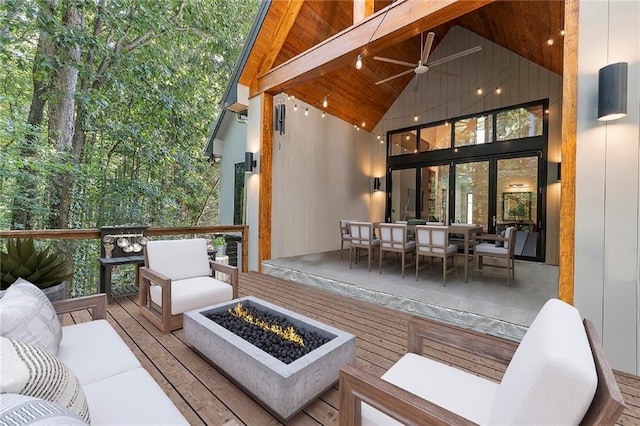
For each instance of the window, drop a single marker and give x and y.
(519, 123)
(403, 143)
(435, 137)
(474, 130)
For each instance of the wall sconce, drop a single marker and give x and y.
(559, 171)
(376, 184)
(249, 163)
(612, 91)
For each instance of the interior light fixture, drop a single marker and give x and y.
(612, 91)
(550, 42)
(250, 163)
(376, 184)
(378, 137)
(479, 90)
(363, 124)
(415, 118)
(295, 107)
(323, 113)
(359, 62)
(324, 102)
(559, 172)
(563, 32)
(498, 90)
(306, 111)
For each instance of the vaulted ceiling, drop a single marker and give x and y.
(293, 30)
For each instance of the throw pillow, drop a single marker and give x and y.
(21, 410)
(27, 315)
(28, 370)
(500, 243)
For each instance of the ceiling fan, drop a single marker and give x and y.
(423, 66)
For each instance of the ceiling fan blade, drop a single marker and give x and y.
(394, 61)
(427, 46)
(394, 76)
(455, 56)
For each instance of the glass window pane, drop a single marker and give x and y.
(435, 194)
(403, 194)
(472, 193)
(474, 130)
(435, 137)
(519, 123)
(403, 143)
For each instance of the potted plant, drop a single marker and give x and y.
(42, 266)
(220, 246)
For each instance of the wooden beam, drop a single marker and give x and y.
(277, 41)
(266, 177)
(362, 9)
(398, 21)
(569, 129)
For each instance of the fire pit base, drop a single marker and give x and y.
(282, 388)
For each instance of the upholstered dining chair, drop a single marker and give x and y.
(433, 241)
(362, 237)
(496, 247)
(393, 238)
(177, 278)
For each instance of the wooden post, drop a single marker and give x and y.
(266, 178)
(361, 10)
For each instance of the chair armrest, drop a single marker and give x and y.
(490, 237)
(232, 274)
(154, 276)
(472, 342)
(360, 386)
(96, 302)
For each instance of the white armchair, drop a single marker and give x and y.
(496, 247)
(393, 238)
(362, 237)
(557, 375)
(433, 241)
(177, 278)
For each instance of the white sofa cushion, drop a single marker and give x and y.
(179, 259)
(129, 398)
(551, 378)
(29, 370)
(94, 351)
(463, 393)
(193, 293)
(18, 410)
(27, 315)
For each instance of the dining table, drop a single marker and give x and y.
(467, 230)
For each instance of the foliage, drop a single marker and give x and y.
(150, 78)
(219, 241)
(41, 266)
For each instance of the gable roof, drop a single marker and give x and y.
(308, 48)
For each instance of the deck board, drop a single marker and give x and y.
(206, 396)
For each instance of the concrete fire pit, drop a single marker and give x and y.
(284, 389)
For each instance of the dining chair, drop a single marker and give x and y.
(496, 246)
(362, 237)
(433, 241)
(345, 235)
(393, 238)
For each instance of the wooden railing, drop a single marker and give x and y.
(94, 234)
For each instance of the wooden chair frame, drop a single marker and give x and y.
(401, 250)
(358, 386)
(509, 256)
(97, 303)
(344, 229)
(160, 316)
(431, 254)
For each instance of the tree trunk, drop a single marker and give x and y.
(61, 117)
(22, 217)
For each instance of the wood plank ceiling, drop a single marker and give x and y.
(292, 27)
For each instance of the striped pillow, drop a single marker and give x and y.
(19, 410)
(29, 370)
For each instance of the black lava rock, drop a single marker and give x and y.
(282, 349)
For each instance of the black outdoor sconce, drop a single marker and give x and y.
(249, 163)
(612, 91)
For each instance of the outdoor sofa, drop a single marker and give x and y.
(118, 390)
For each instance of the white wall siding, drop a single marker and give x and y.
(607, 270)
(441, 96)
(321, 174)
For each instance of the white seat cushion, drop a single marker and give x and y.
(93, 350)
(193, 293)
(451, 248)
(131, 398)
(551, 378)
(463, 393)
(487, 248)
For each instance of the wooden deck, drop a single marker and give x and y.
(205, 396)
